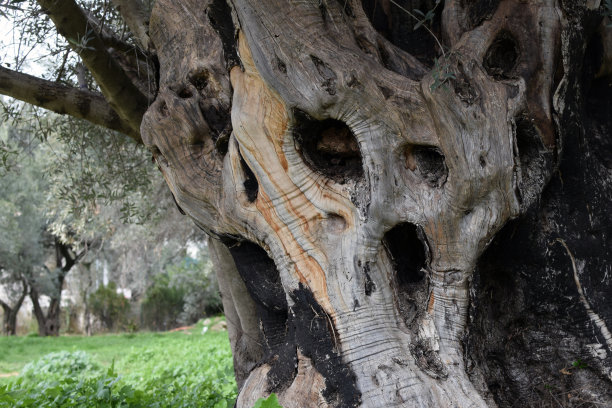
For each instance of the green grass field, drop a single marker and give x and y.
(181, 369)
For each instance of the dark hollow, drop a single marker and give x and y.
(251, 186)
(407, 252)
(200, 80)
(429, 163)
(328, 147)
(397, 26)
(534, 158)
(185, 93)
(502, 56)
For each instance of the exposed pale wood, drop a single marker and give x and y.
(315, 60)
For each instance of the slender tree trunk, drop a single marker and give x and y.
(38, 312)
(53, 318)
(9, 326)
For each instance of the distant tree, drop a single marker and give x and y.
(29, 253)
(22, 228)
(17, 292)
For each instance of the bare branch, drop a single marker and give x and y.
(63, 99)
(136, 17)
(122, 94)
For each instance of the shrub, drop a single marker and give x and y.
(60, 364)
(163, 304)
(174, 371)
(109, 307)
(184, 293)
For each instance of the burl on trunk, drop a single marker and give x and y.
(354, 185)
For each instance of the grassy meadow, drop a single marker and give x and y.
(188, 368)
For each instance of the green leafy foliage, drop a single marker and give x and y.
(441, 73)
(149, 370)
(109, 307)
(183, 293)
(270, 402)
(163, 304)
(58, 365)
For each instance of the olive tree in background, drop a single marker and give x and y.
(409, 200)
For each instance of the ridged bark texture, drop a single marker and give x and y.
(356, 178)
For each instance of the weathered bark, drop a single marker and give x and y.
(360, 188)
(359, 171)
(9, 320)
(117, 84)
(137, 19)
(240, 313)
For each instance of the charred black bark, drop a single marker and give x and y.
(303, 327)
(533, 332)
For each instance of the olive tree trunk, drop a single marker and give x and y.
(410, 208)
(9, 318)
(356, 171)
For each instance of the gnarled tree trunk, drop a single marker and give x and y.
(357, 171)
(414, 217)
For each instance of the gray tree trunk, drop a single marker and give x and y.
(415, 217)
(9, 319)
(357, 171)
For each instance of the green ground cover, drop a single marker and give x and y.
(181, 369)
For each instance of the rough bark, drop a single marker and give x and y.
(361, 184)
(117, 85)
(137, 19)
(63, 99)
(415, 217)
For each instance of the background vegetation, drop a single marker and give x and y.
(190, 368)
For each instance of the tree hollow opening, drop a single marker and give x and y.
(407, 252)
(328, 147)
(502, 56)
(251, 186)
(428, 162)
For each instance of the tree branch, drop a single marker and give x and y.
(136, 18)
(24, 293)
(5, 306)
(122, 94)
(62, 99)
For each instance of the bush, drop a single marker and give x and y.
(181, 295)
(60, 364)
(163, 304)
(110, 307)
